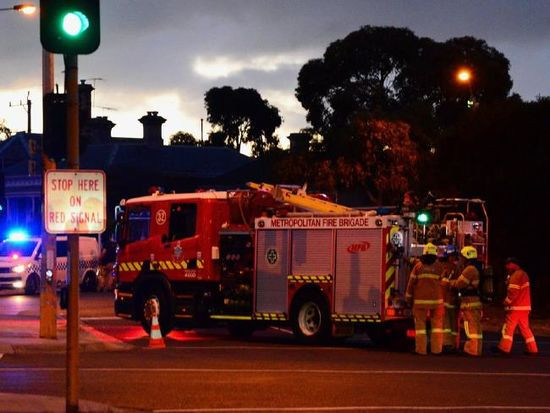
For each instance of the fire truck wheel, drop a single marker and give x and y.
(310, 318)
(32, 286)
(155, 298)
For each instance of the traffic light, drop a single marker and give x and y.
(69, 27)
(423, 217)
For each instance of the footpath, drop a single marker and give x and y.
(19, 334)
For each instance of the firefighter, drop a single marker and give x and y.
(451, 339)
(517, 306)
(470, 304)
(425, 293)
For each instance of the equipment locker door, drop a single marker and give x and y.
(271, 271)
(358, 279)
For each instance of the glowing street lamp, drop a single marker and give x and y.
(464, 76)
(25, 8)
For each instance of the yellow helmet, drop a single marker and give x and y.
(469, 252)
(429, 249)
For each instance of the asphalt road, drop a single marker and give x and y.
(207, 370)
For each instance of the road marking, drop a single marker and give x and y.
(281, 371)
(271, 348)
(352, 408)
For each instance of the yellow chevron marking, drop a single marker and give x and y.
(163, 265)
(200, 264)
(169, 265)
(390, 272)
(137, 265)
(124, 266)
(178, 267)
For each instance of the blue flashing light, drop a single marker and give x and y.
(17, 235)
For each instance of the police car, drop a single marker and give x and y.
(20, 263)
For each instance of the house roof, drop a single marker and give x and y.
(180, 160)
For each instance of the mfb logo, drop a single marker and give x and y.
(358, 247)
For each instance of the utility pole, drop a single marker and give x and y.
(48, 299)
(27, 106)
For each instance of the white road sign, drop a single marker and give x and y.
(75, 201)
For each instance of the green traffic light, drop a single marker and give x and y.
(75, 23)
(423, 218)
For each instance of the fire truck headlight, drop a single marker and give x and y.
(18, 269)
(18, 284)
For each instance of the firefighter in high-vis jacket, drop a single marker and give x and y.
(449, 261)
(470, 303)
(517, 305)
(425, 293)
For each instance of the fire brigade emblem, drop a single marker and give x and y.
(160, 217)
(272, 256)
(178, 251)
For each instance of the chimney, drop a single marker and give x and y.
(99, 129)
(299, 143)
(152, 128)
(84, 102)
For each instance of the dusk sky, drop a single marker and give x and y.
(163, 55)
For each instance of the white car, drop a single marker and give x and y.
(20, 263)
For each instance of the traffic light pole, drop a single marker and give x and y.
(72, 361)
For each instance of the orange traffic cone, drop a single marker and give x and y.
(156, 340)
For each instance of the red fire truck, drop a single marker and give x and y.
(260, 257)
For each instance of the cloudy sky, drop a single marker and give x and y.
(164, 55)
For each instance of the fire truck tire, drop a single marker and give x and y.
(240, 328)
(89, 282)
(310, 318)
(32, 286)
(149, 297)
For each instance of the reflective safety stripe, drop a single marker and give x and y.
(475, 304)
(440, 301)
(469, 335)
(438, 330)
(462, 277)
(513, 286)
(447, 331)
(429, 276)
(519, 308)
(525, 285)
(420, 332)
(447, 305)
(530, 340)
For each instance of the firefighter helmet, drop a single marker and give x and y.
(430, 249)
(469, 252)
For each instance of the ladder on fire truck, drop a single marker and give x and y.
(301, 199)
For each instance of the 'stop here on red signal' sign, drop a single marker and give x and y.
(75, 201)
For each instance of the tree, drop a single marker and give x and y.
(390, 73)
(5, 132)
(244, 117)
(383, 165)
(183, 138)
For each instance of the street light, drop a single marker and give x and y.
(464, 76)
(25, 8)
